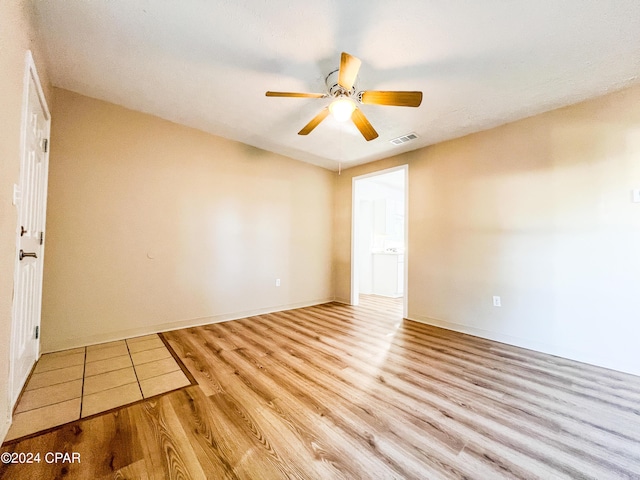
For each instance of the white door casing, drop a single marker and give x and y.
(30, 200)
(356, 184)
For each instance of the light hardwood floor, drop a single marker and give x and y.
(334, 391)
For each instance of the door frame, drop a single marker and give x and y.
(355, 217)
(30, 73)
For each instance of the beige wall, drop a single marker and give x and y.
(538, 212)
(153, 226)
(15, 39)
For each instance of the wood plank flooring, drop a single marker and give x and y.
(335, 391)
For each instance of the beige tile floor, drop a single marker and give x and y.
(77, 383)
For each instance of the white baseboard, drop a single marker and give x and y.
(346, 301)
(75, 342)
(558, 351)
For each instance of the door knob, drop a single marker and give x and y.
(30, 254)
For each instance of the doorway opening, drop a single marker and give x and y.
(379, 240)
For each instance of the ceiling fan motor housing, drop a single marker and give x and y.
(337, 90)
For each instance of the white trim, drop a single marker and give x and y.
(344, 301)
(31, 69)
(75, 342)
(45, 108)
(377, 173)
(542, 347)
(355, 208)
(4, 429)
(405, 294)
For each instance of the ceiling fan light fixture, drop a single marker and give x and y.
(341, 86)
(342, 108)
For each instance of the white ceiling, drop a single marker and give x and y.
(207, 64)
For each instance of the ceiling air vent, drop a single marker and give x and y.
(404, 138)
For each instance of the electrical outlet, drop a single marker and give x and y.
(496, 301)
(277, 282)
(636, 195)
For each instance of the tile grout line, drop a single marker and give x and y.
(52, 384)
(134, 368)
(113, 388)
(165, 373)
(25, 388)
(55, 402)
(42, 372)
(82, 394)
(110, 371)
(83, 377)
(45, 406)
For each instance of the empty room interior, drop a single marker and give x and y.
(245, 239)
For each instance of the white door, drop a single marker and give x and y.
(31, 198)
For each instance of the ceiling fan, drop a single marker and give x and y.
(341, 87)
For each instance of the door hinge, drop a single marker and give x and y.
(16, 194)
(41, 238)
(45, 145)
(37, 332)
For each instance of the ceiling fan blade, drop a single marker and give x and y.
(367, 131)
(295, 94)
(315, 121)
(349, 67)
(398, 99)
